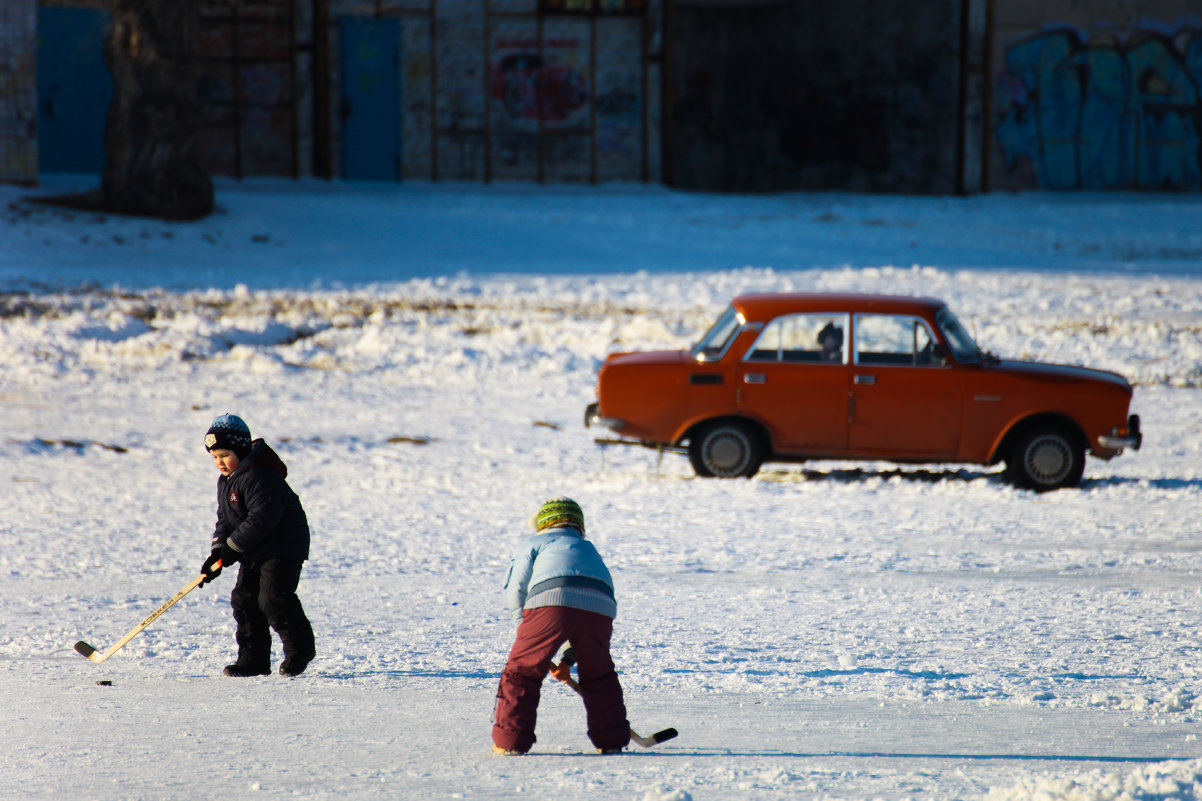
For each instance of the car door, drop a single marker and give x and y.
(796, 387)
(904, 400)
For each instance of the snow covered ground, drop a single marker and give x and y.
(421, 355)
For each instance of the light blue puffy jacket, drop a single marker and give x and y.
(559, 567)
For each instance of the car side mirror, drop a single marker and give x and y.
(940, 354)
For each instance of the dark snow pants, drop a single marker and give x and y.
(540, 634)
(263, 596)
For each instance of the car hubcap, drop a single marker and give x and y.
(1048, 460)
(726, 453)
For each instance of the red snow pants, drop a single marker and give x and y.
(540, 634)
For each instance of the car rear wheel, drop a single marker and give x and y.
(726, 450)
(1046, 458)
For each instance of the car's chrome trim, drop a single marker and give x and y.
(1134, 437)
(592, 417)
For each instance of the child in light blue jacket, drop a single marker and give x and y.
(559, 567)
(559, 590)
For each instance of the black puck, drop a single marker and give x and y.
(105, 683)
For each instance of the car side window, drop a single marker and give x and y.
(816, 338)
(893, 340)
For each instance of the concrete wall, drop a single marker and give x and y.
(761, 95)
(817, 94)
(18, 92)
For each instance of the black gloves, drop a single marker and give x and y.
(228, 554)
(210, 569)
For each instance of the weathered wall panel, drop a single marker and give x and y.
(417, 98)
(653, 167)
(620, 100)
(566, 157)
(460, 102)
(461, 157)
(567, 100)
(501, 7)
(394, 8)
(249, 57)
(818, 95)
(515, 62)
(18, 92)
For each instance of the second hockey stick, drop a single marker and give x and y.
(97, 656)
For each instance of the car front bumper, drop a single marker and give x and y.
(1119, 439)
(592, 417)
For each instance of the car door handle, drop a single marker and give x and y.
(753, 378)
(865, 379)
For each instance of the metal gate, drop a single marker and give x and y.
(74, 89)
(371, 98)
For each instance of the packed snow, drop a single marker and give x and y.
(421, 355)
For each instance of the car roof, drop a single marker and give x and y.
(766, 305)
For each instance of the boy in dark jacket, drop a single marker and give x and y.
(261, 525)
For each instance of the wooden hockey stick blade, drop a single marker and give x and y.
(96, 656)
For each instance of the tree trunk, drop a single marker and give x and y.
(151, 164)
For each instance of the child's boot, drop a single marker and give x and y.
(499, 751)
(241, 668)
(295, 663)
(297, 636)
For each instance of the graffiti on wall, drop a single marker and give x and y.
(1103, 113)
(538, 86)
(532, 86)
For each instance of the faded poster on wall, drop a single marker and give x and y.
(539, 88)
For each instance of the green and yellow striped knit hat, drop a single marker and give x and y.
(559, 511)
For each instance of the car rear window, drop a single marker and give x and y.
(802, 338)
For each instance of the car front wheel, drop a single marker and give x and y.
(1046, 458)
(726, 450)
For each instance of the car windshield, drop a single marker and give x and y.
(715, 342)
(958, 339)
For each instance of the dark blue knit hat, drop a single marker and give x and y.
(231, 433)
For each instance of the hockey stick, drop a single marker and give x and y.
(563, 672)
(96, 656)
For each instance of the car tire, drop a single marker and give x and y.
(726, 450)
(1046, 458)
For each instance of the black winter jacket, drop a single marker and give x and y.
(258, 512)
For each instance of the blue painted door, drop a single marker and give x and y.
(371, 98)
(74, 89)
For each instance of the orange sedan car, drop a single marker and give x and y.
(794, 377)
